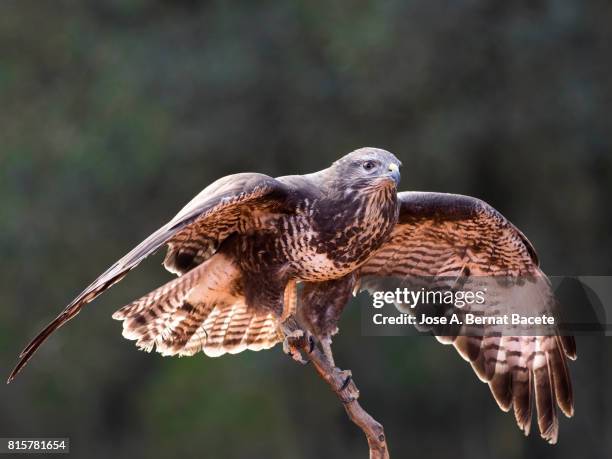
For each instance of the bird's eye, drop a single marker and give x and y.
(369, 165)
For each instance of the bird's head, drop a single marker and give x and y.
(367, 169)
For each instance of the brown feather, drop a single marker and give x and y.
(561, 377)
(544, 388)
(501, 382)
(196, 312)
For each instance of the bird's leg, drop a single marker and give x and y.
(326, 342)
(342, 383)
(295, 339)
(301, 346)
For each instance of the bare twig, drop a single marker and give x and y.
(341, 382)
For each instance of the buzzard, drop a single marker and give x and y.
(243, 245)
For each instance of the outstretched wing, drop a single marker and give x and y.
(445, 236)
(234, 203)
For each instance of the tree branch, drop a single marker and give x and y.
(341, 382)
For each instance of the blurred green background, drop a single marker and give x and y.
(113, 114)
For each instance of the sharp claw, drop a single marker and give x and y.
(297, 342)
(292, 350)
(287, 347)
(347, 380)
(297, 356)
(311, 342)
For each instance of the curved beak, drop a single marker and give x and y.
(394, 173)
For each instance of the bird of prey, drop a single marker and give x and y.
(243, 245)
